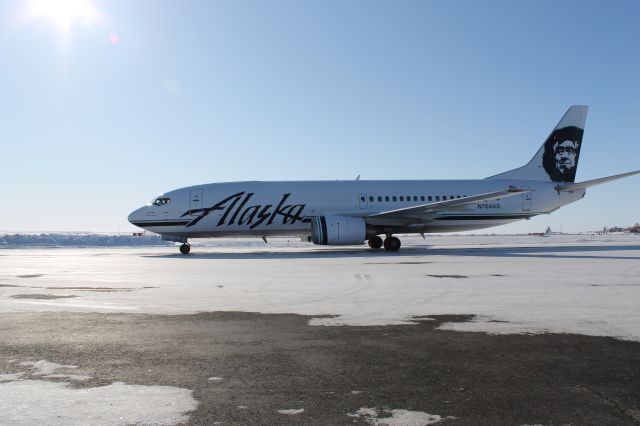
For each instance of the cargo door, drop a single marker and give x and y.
(196, 199)
(526, 200)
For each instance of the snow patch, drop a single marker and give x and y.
(408, 418)
(291, 411)
(215, 379)
(28, 402)
(398, 417)
(364, 412)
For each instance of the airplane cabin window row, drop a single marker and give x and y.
(409, 198)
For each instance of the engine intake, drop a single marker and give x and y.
(337, 230)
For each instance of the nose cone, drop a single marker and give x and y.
(136, 216)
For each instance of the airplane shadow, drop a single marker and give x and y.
(576, 251)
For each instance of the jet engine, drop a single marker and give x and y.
(337, 230)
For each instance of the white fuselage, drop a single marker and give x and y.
(285, 208)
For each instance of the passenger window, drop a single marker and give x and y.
(430, 198)
(444, 198)
(458, 196)
(401, 198)
(371, 199)
(422, 198)
(363, 199)
(415, 198)
(437, 198)
(394, 198)
(379, 199)
(386, 198)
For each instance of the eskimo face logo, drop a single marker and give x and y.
(561, 152)
(237, 212)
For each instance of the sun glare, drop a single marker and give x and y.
(63, 13)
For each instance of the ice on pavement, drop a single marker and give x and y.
(44, 367)
(27, 399)
(11, 377)
(29, 402)
(291, 411)
(512, 284)
(47, 369)
(77, 377)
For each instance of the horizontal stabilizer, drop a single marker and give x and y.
(594, 182)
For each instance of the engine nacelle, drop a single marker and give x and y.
(336, 230)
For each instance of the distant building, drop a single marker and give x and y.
(617, 229)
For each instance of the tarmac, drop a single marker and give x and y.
(449, 330)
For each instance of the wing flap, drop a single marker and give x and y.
(426, 212)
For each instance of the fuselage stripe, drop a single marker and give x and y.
(485, 217)
(161, 223)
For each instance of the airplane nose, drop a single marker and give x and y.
(136, 215)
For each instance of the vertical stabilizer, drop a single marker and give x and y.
(557, 158)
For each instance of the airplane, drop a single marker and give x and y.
(336, 213)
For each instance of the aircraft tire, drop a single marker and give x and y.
(185, 248)
(375, 242)
(392, 244)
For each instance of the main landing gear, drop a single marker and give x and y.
(375, 242)
(185, 248)
(390, 243)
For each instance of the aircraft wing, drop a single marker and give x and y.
(426, 212)
(588, 183)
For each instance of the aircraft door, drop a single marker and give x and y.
(362, 201)
(196, 199)
(526, 201)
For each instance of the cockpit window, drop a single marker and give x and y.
(161, 201)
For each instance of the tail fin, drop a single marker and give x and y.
(557, 158)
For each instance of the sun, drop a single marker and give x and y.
(62, 13)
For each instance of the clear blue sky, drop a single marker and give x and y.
(104, 110)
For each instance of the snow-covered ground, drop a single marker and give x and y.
(9, 240)
(513, 284)
(27, 399)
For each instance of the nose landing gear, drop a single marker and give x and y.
(185, 248)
